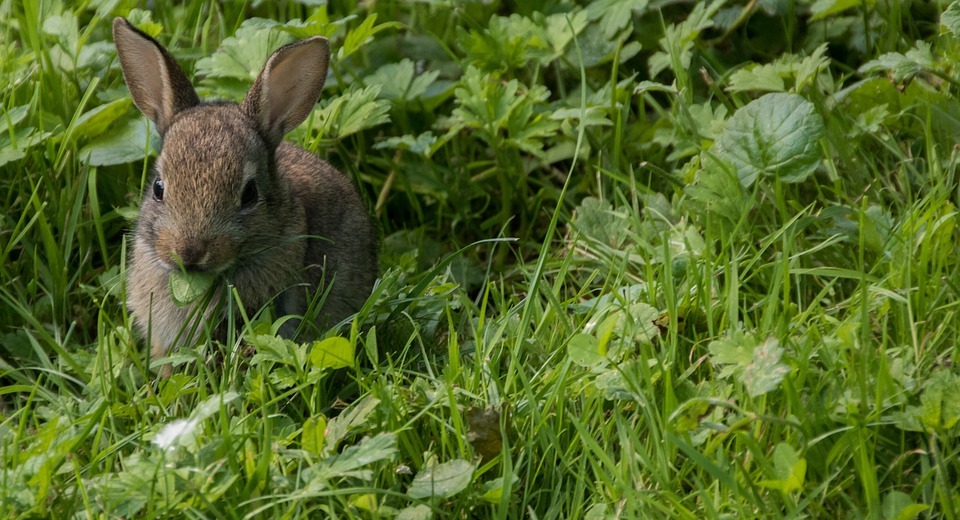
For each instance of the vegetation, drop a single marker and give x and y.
(641, 258)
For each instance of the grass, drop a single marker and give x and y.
(641, 259)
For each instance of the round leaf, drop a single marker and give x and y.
(185, 288)
(443, 480)
(776, 136)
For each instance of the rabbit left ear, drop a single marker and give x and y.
(288, 87)
(157, 84)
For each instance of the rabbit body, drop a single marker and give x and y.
(232, 200)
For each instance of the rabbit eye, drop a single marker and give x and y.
(158, 189)
(249, 196)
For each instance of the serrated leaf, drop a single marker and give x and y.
(332, 353)
(399, 81)
(614, 15)
(420, 145)
(678, 39)
(186, 288)
(756, 365)
(902, 66)
(143, 20)
(776, 135)
(765, 371)
(442, 480)
(357, 37)
(317, 24)
(242, 55)
(494, 108)
(506, 43)
(950, 18)
(355, 110)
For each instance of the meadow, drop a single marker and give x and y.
(641, 259)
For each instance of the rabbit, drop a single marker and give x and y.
(229, 198)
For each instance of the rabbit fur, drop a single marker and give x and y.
(230, 198)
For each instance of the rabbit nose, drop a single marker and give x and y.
(192, 254)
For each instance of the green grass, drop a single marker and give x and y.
(641, 259)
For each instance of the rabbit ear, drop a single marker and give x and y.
(288, 87)
(157, 84)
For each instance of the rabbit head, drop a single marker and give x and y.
(215, 178)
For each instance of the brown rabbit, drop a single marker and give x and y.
(231, 199)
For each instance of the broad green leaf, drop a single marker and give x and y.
(127, 143)
(13, 145)
(898, 505)
(442, 480)
(940, 402)
(353, 460)
(789, 469)
(687, 418)
(186, 288)
(314, 434)
(365, 502)
(334, 352)
(355, 417)
(597, 219)
(95, 122)
(493, 489)
(777, 135)
(636, 321)
(418, 512)
(182, 432)
(757, 77)
(583, 350)
(824, 8)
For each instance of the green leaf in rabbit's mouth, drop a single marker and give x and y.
(186, 288)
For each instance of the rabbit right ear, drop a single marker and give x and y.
(157, 84)
(288, 87)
